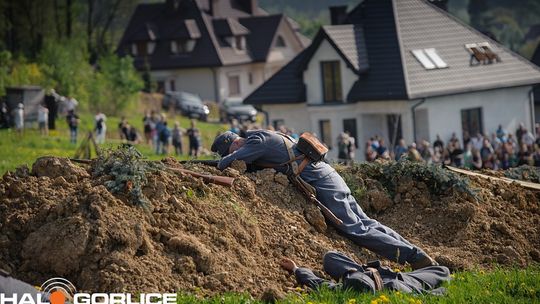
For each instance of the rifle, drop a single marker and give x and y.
(208, 162)
(215, 179)
(309, 193)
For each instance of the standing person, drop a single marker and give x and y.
(18, 119)
(159, 127)
(73, 123)
(164, 138)
(133, 135)
(400, 149)
(438, 143)
(123, 129)
(100, 127)
(194, 136)
(370, 277)
(267, 147)
(149, 125)
(382, 150)
(343, 147)
(177, 134)
(43, 120)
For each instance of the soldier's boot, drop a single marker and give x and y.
(423, 262)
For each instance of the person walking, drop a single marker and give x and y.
(263, 146)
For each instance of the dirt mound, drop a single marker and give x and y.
(62, 220)
(193, 236)
(483, 223)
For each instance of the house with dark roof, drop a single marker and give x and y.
(214, 48)
(399, 69)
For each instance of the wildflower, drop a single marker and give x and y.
(374, 301)
(384, 299)
(298, 289)
(351, 301)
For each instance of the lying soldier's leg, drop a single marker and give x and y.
(337, 264)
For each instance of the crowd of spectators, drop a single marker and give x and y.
(500, 150)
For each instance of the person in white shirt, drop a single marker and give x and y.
(43, 120)
(100, 128)
(18, 118)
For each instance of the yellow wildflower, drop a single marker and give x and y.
(351, 301)
(374, 301)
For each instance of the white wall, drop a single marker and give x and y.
(313, 77)
(198, 81)
(294, 116)
(507, 106)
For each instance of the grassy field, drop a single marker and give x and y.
(17, 150)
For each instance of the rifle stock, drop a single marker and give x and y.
(209, 162)
(214, 179)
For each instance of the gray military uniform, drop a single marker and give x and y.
(268, 147)
(346, 271)
(10, 286)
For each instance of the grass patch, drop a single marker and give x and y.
(496, 286)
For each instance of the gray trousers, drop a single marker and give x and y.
(339, 267)
(10, 286)
(334, 193)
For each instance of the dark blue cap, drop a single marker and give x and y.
(223, 142)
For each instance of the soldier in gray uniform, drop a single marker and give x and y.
(10, 286)
(370, 277)
(269, 147)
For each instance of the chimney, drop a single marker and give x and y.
(249, 6)
(442, 4)
(338, 14)
(211, 7)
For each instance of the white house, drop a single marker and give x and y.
(400, 69)
(214, 48)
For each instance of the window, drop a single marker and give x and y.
(349, 126)
(234, 85)
(239, 43)
(429, 59)
(250, 78)
(141, 49)
(182, 46)
(280, 42)
(326, 132)
(331, 78)
(172, 85)
(471, 122)
(160, 87)
(394, 128)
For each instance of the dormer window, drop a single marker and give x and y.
(280, 42)
(142, 48)
(240, 43)
(481, 53)
(182, 46)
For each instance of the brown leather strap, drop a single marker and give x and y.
(303, 165)
(376, 276)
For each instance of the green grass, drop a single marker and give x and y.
(496, 286)
(18, 150)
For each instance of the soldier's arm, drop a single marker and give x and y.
(305, 276)
(252, 150)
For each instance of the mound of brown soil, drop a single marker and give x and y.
(59, 221)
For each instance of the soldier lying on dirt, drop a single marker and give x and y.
(370, 277)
